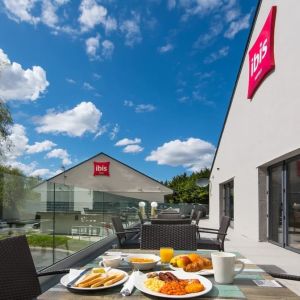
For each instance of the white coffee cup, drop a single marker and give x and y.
(223, 265)
(112, 261)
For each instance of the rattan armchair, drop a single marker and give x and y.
(18, 276)
(214, 243)
(179, 237)
(128, 238)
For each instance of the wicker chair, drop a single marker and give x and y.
(128, 238)
(18, 276)
(169, 216)
(170, 221)
(192, 214)
(179, 237)
(218, 242)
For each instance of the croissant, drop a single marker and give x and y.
(194, 267)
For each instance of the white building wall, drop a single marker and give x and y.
(260, 131)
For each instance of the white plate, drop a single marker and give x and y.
(65, 280)
(204, 272)
(140, 285)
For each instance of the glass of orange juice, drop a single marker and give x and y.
(166, 254)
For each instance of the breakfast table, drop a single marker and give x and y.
(243, 286)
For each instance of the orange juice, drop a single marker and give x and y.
(166, 254)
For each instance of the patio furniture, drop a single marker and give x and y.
(197, 220)
(170, 221)
(192, 214)
(179, 237)
(285, 276)
(242, 288)
(218, 242)
(169, 216)
(18, 276)
(127, 238)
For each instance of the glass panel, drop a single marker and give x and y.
(293, 203)
(275, 205)
(229, 199)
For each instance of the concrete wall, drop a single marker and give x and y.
(261, 131)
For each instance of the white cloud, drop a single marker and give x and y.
(133, 149)
(166, 48)
(236, 26)
(70, 80)
(171, 4)
(93, 14)
(131, 30)
(140, 108)
(107, 49)
(21, 10)
(40, 173)
(126, 141)
(207, 38)
(91, 46)
(128, 103)
(222, 52)
(97, 76)
(199, 7)
(193, 154)
(37, 11)
(61, 154)
(16, 144)
(38, 147)
(88, 86)
(19, 84)
(114, 132)
(75, 122)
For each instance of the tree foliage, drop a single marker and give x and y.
(186, 190)
(5, 124)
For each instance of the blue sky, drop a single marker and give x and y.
(147, 82)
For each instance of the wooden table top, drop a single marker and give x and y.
(243, 286)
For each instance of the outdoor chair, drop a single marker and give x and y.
(169, 216)
(218, 242)
(18, 276)
(179, 237)
(127, 238)
(170, 221)
(192, 214)
(285, 276)
(198, 217)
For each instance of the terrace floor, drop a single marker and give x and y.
(268, 256)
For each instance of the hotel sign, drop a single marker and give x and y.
(101, 168)
(261, 55)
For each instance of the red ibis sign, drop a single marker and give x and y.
(101, 168)
(261, 55)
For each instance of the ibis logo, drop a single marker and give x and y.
(261, 55)
(101, 168)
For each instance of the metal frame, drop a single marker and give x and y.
(284, 202)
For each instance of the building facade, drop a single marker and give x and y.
(255, 176)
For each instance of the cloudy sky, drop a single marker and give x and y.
(147, 82)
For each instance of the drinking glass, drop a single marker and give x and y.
(166, 254)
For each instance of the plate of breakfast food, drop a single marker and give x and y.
(143, 262)
(94, 279)
(172, 284)
(192, 263)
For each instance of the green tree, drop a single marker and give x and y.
(5, 124)
(186, 189)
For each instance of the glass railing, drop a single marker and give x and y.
(59, 220)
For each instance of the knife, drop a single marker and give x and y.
(70, 284)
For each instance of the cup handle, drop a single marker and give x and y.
(241, 269)
(101, 264)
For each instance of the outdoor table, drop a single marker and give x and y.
(243, 286)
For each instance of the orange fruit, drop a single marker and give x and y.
(193, 257)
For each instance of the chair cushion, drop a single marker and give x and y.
(207, 243)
